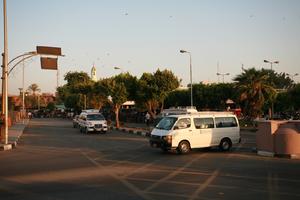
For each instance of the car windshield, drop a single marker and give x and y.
(95, 117)
(166, 123)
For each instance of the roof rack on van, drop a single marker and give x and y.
(91, 111)
(214, 113)
(179, 110)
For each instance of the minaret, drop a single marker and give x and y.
(93, 74)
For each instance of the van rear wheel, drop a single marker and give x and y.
(183, 147)
(225, 144)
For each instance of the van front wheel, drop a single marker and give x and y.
(183, 147)
(225, 144)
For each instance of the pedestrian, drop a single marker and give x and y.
(147, 118)
(29, 115)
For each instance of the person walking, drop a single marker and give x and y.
(147, 116)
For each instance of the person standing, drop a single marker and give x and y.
(147, 118)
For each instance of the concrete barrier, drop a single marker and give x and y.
(281, 138)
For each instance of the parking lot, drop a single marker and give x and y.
(56, 161)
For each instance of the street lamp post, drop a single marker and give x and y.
(271, 112)
(191, 74)
(273, 62)
(224, 74)
(4, 77)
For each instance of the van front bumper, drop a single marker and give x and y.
(97, 128)
(159, 142)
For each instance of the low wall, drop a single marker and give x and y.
(278, 138)
(13, 117)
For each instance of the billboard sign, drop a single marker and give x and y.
(49, 63)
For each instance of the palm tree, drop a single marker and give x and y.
(255, 90)
(33, 89)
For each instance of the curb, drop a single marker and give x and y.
(272, 154)
(13, 141)
(133, 131)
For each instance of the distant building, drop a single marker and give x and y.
(15, 101)
(93, 74)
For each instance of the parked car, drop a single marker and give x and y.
(196, 130)
(92, 122)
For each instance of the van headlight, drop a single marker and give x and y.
(89, 123)
(167, 138)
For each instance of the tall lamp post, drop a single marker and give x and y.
(271, 62)
(224, 74)
(191, 74)
(271, 112)
(4, 78)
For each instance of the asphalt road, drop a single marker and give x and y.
(54, 161)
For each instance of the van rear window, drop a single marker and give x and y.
(222, 122)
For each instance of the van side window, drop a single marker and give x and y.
(183, 123)
(203, 123)
(222, 122)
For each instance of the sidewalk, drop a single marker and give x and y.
(14, 134)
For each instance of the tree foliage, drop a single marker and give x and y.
(153, 89)
(205, 96)
(33, 89)
(255, 89)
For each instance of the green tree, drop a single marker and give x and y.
(153, 89)
(119, 88)
(205, 96)
(51, 106)
(77, 92)
(255, 90)
(295, 97)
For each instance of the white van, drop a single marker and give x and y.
(197, 130)
(92, 122)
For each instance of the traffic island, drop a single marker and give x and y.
(134, 131)
(278, 138)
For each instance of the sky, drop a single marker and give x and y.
(140, 36)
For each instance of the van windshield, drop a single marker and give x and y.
(166, 123)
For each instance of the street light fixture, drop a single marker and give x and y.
(273, 62)
(119, 68)
(224, 74)
(191, 74)
(292, 76)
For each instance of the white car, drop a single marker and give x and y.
(198, 130)
(92, 122)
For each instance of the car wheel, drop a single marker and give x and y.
(183, 147)
(225, 144)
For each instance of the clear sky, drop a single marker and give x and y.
(143, 35)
